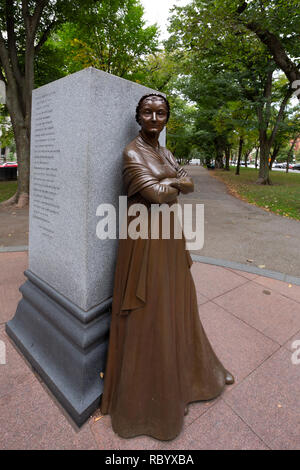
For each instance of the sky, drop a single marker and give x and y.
(157, 11)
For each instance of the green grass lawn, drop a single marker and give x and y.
(282, 197)
(7, 189)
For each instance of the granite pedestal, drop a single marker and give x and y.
(80, 126)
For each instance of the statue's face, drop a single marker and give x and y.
(153, 115)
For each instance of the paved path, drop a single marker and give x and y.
(252, 323)
(13, 227)
(234, 230)
(237, 231)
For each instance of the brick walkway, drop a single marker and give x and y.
(251, 321)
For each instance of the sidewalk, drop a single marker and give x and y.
(251, 322)
(241, 232)
(14, 227)
(234, 230)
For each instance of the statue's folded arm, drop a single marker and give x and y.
(139, 178)
(184, 183)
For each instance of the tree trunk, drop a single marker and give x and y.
(18, 74)
(274, 154)
(264, 114)
(263, 176)
(265, 142)
(219, 152)
(227, 157)
(256, 156)
(237, 171)
(23, 153)
(219, 160)
(290, 153)
(246, 158)
(207, 161)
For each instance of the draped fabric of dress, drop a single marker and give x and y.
(159, 357)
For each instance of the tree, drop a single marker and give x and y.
(238, 118)
(287, 132)
(30, 56)
(277, 25)
(213, 33)
(180, 135)
(158, 71)
(109, 35)
(291, 149)
(267, 131)
(24, 28)
(210, 92)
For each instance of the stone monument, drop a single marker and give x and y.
(80, 126)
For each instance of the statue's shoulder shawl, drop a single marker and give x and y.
(136, 173)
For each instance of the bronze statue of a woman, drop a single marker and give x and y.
(159, 357)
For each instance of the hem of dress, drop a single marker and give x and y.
(149, 434)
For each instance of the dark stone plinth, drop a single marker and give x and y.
(65, 345)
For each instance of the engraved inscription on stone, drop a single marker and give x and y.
(44, 168)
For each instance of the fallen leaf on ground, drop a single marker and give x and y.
(261, 266)
(97, 419)
(267, 292)
(250, 260)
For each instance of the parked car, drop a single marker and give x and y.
(283, 165)
(9, 164)
(296, 167)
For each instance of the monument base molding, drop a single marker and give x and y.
(66, 345)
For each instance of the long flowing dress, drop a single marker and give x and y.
(159, 357)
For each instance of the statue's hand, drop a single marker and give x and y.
(168, 184)
(169, 181)
(184, 184)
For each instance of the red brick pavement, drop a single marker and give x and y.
(251, 321)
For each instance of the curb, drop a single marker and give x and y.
(249, 269)
(5, 249)
(214, 261)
